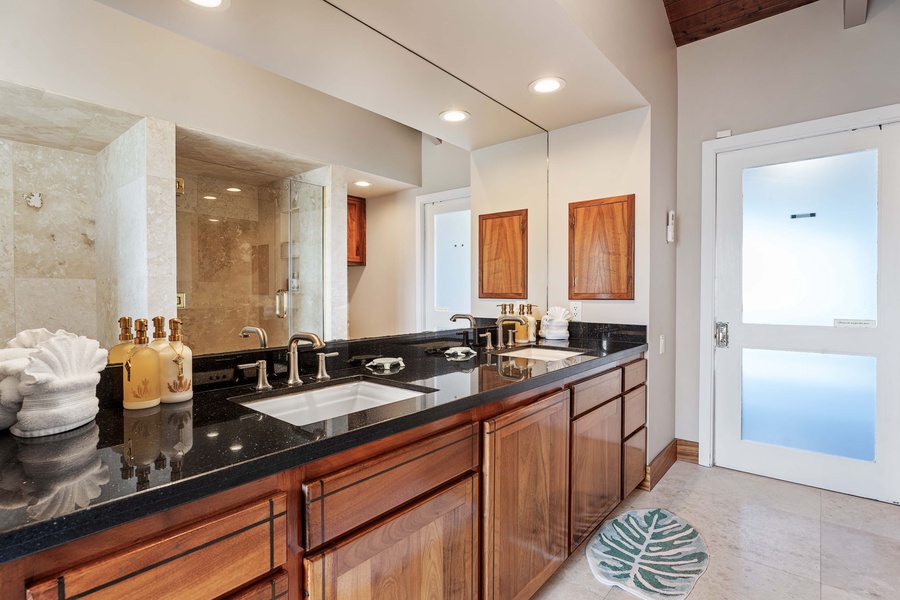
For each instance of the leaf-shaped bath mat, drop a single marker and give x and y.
(652, 554)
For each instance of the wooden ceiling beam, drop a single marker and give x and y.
(855, 12)
(693, 20)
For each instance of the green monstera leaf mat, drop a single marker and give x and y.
(652, 554)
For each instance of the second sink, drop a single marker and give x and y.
(538, 353)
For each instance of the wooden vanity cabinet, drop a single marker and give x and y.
(206, 560)
(356, 231)
(525, 476)
(428, 550)
(634, 432)
(596, 469)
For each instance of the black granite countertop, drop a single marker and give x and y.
(129, 464)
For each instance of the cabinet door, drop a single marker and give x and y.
(503, 255)
(429, 550)
(634, 461)
(601, 249)
(526, 466)
(596, 468)
(356, 231)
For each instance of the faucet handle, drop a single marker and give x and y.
(487, 345)
(262, 380)
(323, 375)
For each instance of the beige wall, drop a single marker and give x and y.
(382, 294)
(798, 66)
(89, 51)
(636, 37)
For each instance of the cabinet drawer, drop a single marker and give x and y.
(427, 550)
(595, 391)
(205, 560)
(634, 460)
(342, 501)
(635, 410)
(634, 374)
(270, 588)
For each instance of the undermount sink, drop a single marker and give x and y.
(312, 406)
(545, 354)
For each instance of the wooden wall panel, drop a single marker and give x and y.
(503, 255)
(601, 249)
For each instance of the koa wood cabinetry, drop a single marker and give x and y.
(634, 448)
(503, 255)
(601, 249)
(525, 470)
(356, 231)
(427, 550)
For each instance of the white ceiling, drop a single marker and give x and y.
(498, 47)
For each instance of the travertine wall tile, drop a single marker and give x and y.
(56, 238)
(161, 239)
(161, 297)
(160, 148)
(7, 310)
(7, 239)
(130, 259)
(69, 304)
(6, 165)
(131, 297)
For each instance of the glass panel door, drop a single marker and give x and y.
(448, 264)
(805, 390)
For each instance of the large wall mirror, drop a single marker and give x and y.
(269, 254)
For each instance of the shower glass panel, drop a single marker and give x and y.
(811, 240)
(305, 269)
(819, 402)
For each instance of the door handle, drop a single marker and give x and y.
(721, 335)
(281, 304)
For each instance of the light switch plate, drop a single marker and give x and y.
(662, 343)
(575, 309)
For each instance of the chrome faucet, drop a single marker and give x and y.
(260, 335)
(302, 336)
(500, 322)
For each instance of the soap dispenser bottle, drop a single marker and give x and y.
(119, 352)
(532, 322)
(175, 367)
(522, 328)
(140, 374)
(159, 334)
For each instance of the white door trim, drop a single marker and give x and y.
(711, 148)
(421, 201)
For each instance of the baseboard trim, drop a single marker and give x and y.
(688, 451)
(659, 466)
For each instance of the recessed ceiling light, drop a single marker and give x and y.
(211, 4)
(213, 220)
(362, 183)
(547, 85)
(212, 434)
(232, 189)
(235, 447)
(209, 197)
(454, 116)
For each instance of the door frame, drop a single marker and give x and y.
(710, 151)
(421, 201)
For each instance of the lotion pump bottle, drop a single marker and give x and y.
(159, 334)
(140, 374)
(119, 352)
(175, 367)
(532, 323)
(522, 328)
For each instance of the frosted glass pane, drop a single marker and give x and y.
(810, 240)
(819, 402)
(452, 264)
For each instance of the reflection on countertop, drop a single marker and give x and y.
(59, 488)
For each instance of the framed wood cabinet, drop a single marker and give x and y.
(525, 470)
(596, 468)
(356, 231)
(503, 255)
(428, 550)
(601, 249)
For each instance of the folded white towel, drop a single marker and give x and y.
(31, 338)
(59, 385)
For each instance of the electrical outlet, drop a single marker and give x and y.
(662, 343)
(575, 309)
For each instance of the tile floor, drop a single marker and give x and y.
(767, 540)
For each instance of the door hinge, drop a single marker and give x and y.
(721, 335)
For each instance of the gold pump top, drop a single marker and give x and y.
(125, 325)
(522, 310)
(140, 332)
(531, 308)
(502, 308)
(175, 328)
(159, 328)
